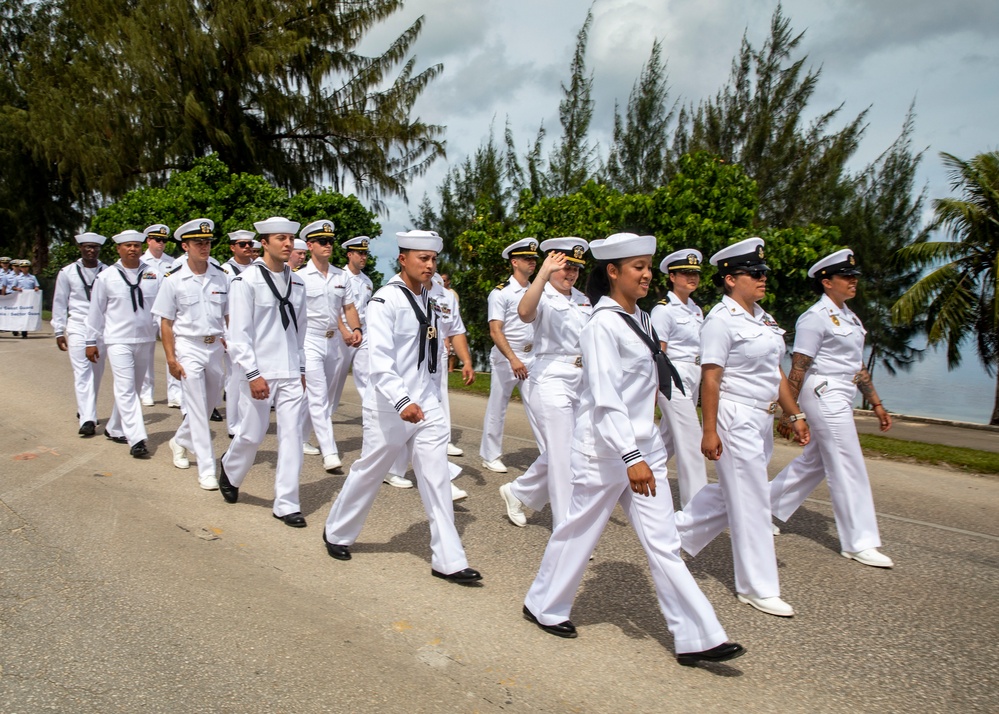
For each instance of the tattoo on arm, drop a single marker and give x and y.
(866, 387)
(799, 365)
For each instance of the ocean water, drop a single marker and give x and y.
(930, 390)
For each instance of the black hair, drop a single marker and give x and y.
(598, 284)
(817, 287)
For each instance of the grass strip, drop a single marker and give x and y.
(982, 462)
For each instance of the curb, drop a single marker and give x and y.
(930, 420)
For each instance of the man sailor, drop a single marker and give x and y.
(241, 245)
(70, 305)
(160, 263)
(355, 357)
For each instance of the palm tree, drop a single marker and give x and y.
(959, 298)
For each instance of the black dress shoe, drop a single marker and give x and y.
(340, 552)
(724, 651)
(295, 520)
(229, 492)
(139, 451)
(216, 416)
(88, 429)
(116, 439)
(563, 629)
(463, 577)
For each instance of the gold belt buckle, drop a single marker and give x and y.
(330, 333)
(210, 340)
(431, 332)
(772, 409)
(579, 361)
(528, 347)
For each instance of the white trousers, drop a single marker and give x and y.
(288, 399)
(401, 464)
(322, 363)
(597, 486)
(174, 393)
(833, 453)
(554, 388)
(740, 500)
(87, 375)
(681, 432)
(202, 388)
(234, 375)
(128, 364)
(501, 384)
(385, 434)
(356, 357)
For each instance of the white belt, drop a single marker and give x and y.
(696, 360)
(769, 407)
(206, 339)
(325, 333)
(851, 377)
(576, 360)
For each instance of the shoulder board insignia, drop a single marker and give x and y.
(167, 274)
(664, 301)
(217, 267)
(377, 299)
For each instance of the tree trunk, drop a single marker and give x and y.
(994, 421)
(40, 248)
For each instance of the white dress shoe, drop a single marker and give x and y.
(514, 506)
(331, 462)
(397, 481)
(456, 493)
(147, 402)
(310, 450)
(775, 528)
(209, 484)
(173, 405)
(495, 465)
(453, 450)
(180, 459)
(769, 605)
(870, 556)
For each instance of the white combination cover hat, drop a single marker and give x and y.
(573, 248)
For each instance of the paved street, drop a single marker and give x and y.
(126, 588)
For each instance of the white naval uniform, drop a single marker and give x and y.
(197, 305)
(130, 338)
(234, 374)
(70, 306)
(616, 428)
(503, 302)
(324, 349)
(834, 338)
(749, 348)
(161, 266)
(449, 324)
(398, 379)
(679, 326)
(262, 346)
(554, 387)
(355, 357)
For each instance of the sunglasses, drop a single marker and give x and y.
(243, 243)
(151, 239)
(754, 274)
(322, 241)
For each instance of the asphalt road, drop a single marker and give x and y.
(124, 587)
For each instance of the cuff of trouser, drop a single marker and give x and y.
(633, 457)
(402, 404)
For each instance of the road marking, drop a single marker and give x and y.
(48, 477)
(913, 521)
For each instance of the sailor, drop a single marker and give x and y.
(558, 312)
(298, 255)
(827, 370)
(328, 296)
(70, 305)
(241, 244)
(741, 385)
(192, 305)
(159, 262)
(267, 324)
(356, 357)
(618, 458)
(677, 320)
(120, 313)
(511, 356)
(23, 280)
(401, 411)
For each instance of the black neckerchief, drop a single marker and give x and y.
(666, 372)
(88, 288)
(134, 290)
(427, 331)
(284, 304)
(236, 270)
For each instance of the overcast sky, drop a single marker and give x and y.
(508, 58)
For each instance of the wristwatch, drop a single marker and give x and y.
(796, 417)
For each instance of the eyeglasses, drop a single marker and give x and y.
(151, 239)
(321, 241)
(754, 274)
(243, 243)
